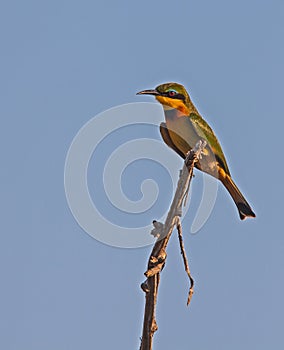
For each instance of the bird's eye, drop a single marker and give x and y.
(172, 93)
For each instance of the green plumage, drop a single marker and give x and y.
(204, 131)
(184, 127)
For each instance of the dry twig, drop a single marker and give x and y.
(185, 262)
(157, 258)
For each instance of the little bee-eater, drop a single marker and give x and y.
(184, 127)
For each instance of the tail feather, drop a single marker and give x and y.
(240, 201)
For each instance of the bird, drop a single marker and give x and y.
(184, 127)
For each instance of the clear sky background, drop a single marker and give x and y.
(63, 62)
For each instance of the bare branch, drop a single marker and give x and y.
(158, 255)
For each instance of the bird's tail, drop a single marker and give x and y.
(241, 203)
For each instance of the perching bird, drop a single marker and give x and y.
(184, 127)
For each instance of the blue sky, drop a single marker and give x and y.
(62, 63)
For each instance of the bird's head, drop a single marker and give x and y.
(171, 96)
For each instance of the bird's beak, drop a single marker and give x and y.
(148, 92)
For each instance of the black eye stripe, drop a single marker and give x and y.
(176, 96)
(179, 96)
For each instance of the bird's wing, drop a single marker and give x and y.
(204, 131)
(167, 139)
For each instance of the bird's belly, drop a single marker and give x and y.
(184, 137)
(182, 134)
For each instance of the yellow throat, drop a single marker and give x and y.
(171, 103)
